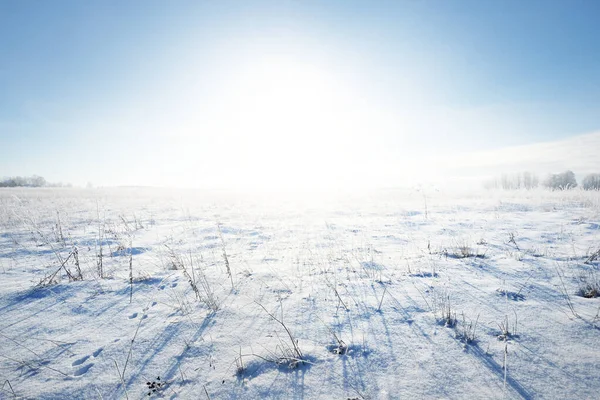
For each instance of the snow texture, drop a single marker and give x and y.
(144, 293)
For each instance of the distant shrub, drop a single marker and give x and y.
(520, 180)
(591, 182)
(564, 180)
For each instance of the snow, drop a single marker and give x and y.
(360, 280)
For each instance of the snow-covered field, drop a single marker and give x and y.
(143, 293)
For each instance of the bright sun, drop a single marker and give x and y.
(286, 122)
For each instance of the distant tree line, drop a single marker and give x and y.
(30, 181)
(526, 180)
(520, 180)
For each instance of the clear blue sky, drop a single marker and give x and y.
(141, 92)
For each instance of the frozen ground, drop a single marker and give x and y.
(395, 294)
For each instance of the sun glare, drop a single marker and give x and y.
(285, 120)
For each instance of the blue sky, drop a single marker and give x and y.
(217, 93)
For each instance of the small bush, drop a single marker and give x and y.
(442, 309)
(464, 250)
(466, 331)
(508, 330)
(589, 285)
(562, 181)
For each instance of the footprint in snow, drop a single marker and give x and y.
(161, 287)
(83, 369)
(153, 304)
(132, 316)
(97, 352)
(79, 361)
(174, 284)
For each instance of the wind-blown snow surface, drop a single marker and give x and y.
(375, 271)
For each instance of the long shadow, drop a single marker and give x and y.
(299, 375)
(26, 253)
(57, 293)
(408, 317)
(257, 367)
(359, 373)
(356, 375)
(134, 251)
(172, 369)
(155, 347)
(386, 328)
(497, 369)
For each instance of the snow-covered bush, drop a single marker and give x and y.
(564, 180)
(589, 285)
(591, 182)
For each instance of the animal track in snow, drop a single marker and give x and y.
(134, 315)
(97, 352)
